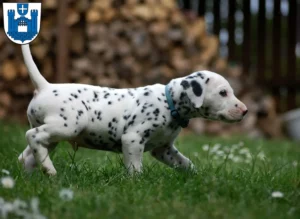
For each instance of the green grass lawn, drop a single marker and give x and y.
(236, 178)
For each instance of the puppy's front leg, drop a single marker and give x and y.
(172, 157)
(133, 148)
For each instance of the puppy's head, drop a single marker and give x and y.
(212, 97)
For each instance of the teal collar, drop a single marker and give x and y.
(174, 112)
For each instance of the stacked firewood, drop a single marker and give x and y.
(119, 44)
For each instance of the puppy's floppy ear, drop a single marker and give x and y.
(194, 89)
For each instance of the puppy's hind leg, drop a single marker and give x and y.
(24, 154)
(41, 140)
(28, 160)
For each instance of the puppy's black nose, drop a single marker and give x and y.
(245, 112)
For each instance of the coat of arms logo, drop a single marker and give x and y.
(22, 21)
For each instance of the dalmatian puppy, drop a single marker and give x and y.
(128, 121)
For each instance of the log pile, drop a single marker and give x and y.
(119, 44)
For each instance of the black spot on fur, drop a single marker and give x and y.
(182, 95)
(207, 80)
(84, 105)
(146, 94)
(130, 93)
(65, 125)
(200, 75)
(95, 95)
(109, 102)
(156, 112)
(74, 95)
(147, 133)
(197, 89)
(185, 84)
(80, 112)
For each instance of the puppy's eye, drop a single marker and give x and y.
(223, 93)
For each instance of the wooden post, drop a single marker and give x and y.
(187, 5)
(201, 7)
(276, 45)
(247, 37)
(231, 30)
(261, 40)
(276, 53)
(291, 59)
(62, 57)
(216, 11)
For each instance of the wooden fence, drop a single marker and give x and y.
(268, 50)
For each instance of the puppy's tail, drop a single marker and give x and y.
(37, 79)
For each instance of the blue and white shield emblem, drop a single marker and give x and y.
(22, 21)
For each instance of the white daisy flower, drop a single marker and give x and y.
(295, 163)
(277, 194)
(5, 171)
(34, 205)
(215, 148)
(241, 144)
(230, 156)
(205, 147)
(234, 147)
(66, 194)
(220, 153)
(261, 155)
(7, 182)
(244, 151)
(6, 208)
(226, 149)
(236, 159)
(1, 201)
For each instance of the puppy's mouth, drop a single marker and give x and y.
(229, 120)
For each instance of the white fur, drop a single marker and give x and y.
(131, 121)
